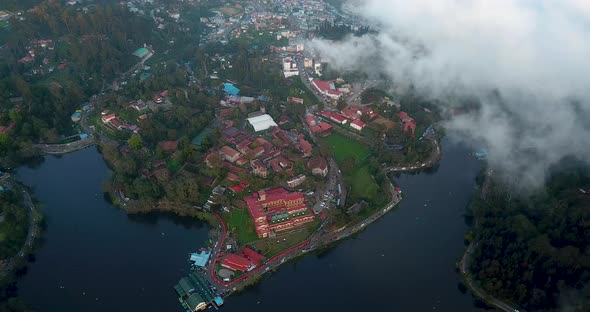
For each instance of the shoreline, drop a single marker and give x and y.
(463, 265)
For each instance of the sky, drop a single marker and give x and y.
(524, 60)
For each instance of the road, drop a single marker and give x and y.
(434, 157)
(317, 240)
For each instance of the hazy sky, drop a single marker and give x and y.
(533, 52)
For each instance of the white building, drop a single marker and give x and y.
(262, 122)
(290, 68)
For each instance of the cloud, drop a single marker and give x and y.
(526, 61)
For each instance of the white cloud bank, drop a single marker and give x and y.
(534, 53)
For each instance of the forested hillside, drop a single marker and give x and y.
(534, 251)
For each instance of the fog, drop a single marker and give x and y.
(525, 61)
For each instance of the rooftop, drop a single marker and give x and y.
(262, 122)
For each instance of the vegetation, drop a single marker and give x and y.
(14, 224)
(361, 171)
(240, 223)
(335, 31)
(534, 250)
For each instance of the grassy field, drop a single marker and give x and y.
(273, 246)
(362, 184)
(240, 223)
(343, 148)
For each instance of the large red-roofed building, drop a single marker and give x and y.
(237, 263)
(326, 88)
(277, 210)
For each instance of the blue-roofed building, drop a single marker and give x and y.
(262, 98)
(200, 259)
(230, 89)
(218, 301)
(76, 116)
(83, 136)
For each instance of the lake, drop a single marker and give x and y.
(96, 258)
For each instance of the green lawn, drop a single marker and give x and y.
(343, 148)
(240, 223)
(270, 247)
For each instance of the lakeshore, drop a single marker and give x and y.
(399, 244)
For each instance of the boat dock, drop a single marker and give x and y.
(196, 294)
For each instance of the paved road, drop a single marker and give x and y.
(58, 149)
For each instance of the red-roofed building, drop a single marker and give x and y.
(237, 263)
(293, 99)
(240, 187)
(232, 177)
(318, 166)
(258, 168)
(323, 129)
(305, 147)
(258, 151)
(326, 88)
(357, 124)
(169, 146)
(411, 125)
(242, 160)
(335, 117)
(4, 129)
(107, 118)
(253, 256)
(404, 117)
(277, 210)
(229, 154)
(408, 122)
(311, 121)
(212, 160)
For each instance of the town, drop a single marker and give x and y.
(277, 151)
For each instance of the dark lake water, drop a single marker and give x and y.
(96, 258)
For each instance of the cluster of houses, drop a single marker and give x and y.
(351, 115)
(117, 123)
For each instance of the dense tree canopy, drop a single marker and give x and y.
(534, 251)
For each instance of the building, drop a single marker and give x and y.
(141, 52)
(335, 117)
(308, 63)
(194, 293)
(230, 89)
(326, 88)
(108, 118)
(258, 168)
(296, 181)
(187, 294)
(408, 122)
(323, 129)
(139, 106)
(169, 146)
(262, 122)
(229, 154)
(290, 68)
(357, 124)
(237, 263)
(305, 147)
(201, 258)
(277, 210)
(5, 129)
(293, 99)
(318, 166)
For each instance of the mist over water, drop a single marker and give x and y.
(523, 62)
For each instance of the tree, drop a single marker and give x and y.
(135, 142)
(325, 149)
(341, 104)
